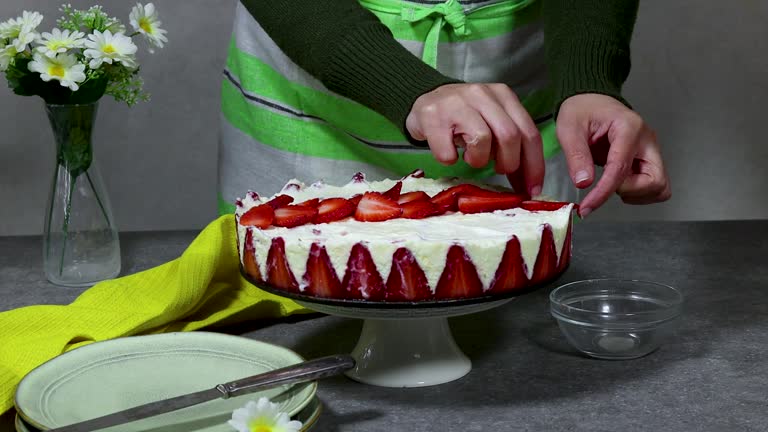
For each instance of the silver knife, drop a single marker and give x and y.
(301, 372)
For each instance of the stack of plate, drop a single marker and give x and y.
(110, 376)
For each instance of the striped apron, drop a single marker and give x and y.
(278, 122)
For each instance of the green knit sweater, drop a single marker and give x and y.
(353, 54)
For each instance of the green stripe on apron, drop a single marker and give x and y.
(257, 77)
(251, 118)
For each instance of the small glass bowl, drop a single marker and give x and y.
(616, 319)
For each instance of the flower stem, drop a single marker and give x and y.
(67, 213)
(50, 220)
(98, 200)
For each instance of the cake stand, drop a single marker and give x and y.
(406, 346)
(403, 344)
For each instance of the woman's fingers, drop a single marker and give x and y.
(596, 129)
(624, 140)
(506, 134)
(531, 153)
(574, 140)
(488, 121)
(475, 134)
(648, 183)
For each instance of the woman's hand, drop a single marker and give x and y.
(488, 120)
(595, 129)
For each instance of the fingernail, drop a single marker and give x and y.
(584, 211)
(535, 191)
(581, 176)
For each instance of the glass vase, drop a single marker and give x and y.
(80, 241)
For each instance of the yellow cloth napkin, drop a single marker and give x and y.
(202, 287)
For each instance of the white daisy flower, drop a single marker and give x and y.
(25, 38)
(108, 48)
(21, 30)
(63, 68)
(262, 416)
(30, 20)
(57, 42)
(144, 19)
(12, 28)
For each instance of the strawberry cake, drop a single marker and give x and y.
(410, 240)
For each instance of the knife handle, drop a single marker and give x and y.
(306, 371)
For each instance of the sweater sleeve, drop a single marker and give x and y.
(350, 51)
(587, 46)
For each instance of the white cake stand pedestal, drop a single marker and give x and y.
(406, 346)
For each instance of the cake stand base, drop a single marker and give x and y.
(408, 353)
(409, 347)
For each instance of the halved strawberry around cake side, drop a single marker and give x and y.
(414, 239)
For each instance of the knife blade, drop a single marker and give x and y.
(311, 370)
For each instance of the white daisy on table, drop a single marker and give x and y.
(63, 68)
(109, 48)
(57, 42)
(21, 31)
(262, 416)
(145, 20)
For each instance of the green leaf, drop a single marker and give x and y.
(90, 91)
(21, 80)
(72, 127)
(76, 156)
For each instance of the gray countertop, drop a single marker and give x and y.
(712, 377)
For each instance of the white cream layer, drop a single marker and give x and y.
(483, 235)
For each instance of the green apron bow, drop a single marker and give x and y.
(450, 12)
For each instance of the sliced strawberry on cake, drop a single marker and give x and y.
(546, 260)
(419, 209)
(259, 216)
(510, 275)
(413, 196)
(375, 207)
(449, 198)
(394, 192)
(407, 281)
(532, 205)
(279, 273)
(333, 209)
(310, 202)
(280, 201)
(459, 278)
(321, 279)
(489, 203)
(294, 215)
(250, 265)
(355, 199)
(362, 279)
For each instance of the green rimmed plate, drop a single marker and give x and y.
(110, 376)
(308, 416)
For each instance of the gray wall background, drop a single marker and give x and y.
(698, 78)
